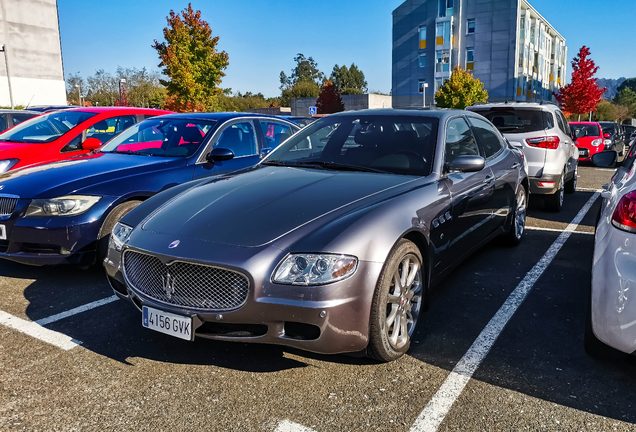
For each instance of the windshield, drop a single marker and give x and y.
(167, 137)
(585, 130)
(510, 120)
(45, 128)
(387, 144)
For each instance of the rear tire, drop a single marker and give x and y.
(397, 303)
(554, 202)
(570, 186)
(104, 233)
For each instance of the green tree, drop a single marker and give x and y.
(605, 111)
(304, 81)
(329, 101)
(626, 97)
(349, 80)
(460, 91)
(629, 83)
(190, 59)
(299, 90)
(75, 85)
(103, 89)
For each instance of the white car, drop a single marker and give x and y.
(611, 323)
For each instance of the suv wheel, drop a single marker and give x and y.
(554, 202)
(570, 186)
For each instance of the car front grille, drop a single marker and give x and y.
(185, 284)
(7, 205)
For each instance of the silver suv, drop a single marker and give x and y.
(543, 133)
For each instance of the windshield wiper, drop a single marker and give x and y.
(12, 141)
(130, 152)
(277, 163)
(340, 167)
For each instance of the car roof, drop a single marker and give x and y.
(100, 110)
(513, 105)
(220, 115)
(422, 112)
(3, 111)
(584, 123)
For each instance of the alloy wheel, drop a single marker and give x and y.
(520, 213)
(404, 301)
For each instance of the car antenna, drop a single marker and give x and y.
(29, 104)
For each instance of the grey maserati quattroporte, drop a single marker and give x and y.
(332, 243)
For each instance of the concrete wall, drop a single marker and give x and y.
(300, 106)
(271, 111)
(30, 31)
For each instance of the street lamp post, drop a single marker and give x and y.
(424, 85)
(122, 81)
(79, 94)
(6, 60)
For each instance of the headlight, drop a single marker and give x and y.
(119, 235)
(7, 164)
(597, 142)
(314, 269)
(64, 206)
(607, 142)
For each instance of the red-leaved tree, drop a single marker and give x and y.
(583, 93)
(329, 100)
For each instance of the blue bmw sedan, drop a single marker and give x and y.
(64, 212)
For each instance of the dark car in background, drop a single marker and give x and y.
(300, 121)
(333, 242)
(10, 118)
(614, 137)
(63, 212)
(46, 108)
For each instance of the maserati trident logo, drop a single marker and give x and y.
(168, 285)
(174, 244)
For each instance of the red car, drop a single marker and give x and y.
(589, 139)
(60, 134)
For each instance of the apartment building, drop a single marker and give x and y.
(507, 44)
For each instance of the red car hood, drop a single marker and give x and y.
(20, 150)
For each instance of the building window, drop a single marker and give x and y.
(470, 26)
(420, 85)
(470, 61)
(532, 34)
(439, 82)
(442, 63)
(522, 27)
(443, 33)
(520, 55)
(445, 8)
(422, 32)
(421, 60)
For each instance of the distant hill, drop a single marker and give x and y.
(611, 84)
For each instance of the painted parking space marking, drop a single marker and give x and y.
(75, 311)
(531, 228)
(35, 330)
(438, 407)
(588, 189)
(290, 426)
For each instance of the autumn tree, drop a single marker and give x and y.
(329, 101)
(462, 89)
(349, 80)
(582, 94)
(190, 59)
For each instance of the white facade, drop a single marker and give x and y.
(29, 29)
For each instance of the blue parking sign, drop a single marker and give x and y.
(313, 111)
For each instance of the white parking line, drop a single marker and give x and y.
(531, 228)
(75, 311)
(438, 407)
(290, 426)
(35, 330)
(588, 189)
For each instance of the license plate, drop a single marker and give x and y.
(582, 153)
(3, 232)
(168, 323)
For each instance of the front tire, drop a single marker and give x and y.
(397, 303)
(554, 202)
(104, 233)
(519, 213)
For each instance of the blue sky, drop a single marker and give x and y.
(262, 37)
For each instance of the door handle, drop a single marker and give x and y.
(515, 165)
(489, 179)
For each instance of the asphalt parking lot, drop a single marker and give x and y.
(73, 358)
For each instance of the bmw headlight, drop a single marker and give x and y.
(119, 235)
(314, 269)
(64, 206)
(7, 164)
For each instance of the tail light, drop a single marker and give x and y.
(549, 142)
(624, 217)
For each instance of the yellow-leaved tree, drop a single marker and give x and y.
(460, 91)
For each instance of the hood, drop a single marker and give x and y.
(55, 179)
(9, 150)
(257, 207)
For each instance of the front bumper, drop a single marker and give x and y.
(614, 287)
(537, 184)
(52, 240)
(327, 319)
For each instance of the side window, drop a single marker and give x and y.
(238, 137)
(560, 121)
(106, 129)
(3, 123)
(73, 145)
(19, 118)
(487, 137)
(459, 140)
(275, 133)
(566, 125)
(548, 120)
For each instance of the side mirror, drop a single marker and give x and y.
(91, 144)
(220, 154)
(606, 135)
(467, 163)
(265, 151)
(606, 159)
